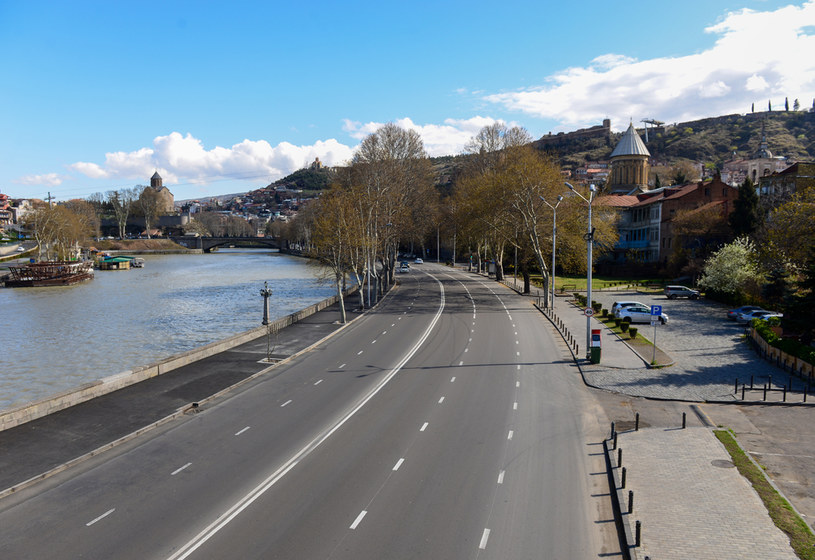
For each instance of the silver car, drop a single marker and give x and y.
(618, 305)
(640, 314)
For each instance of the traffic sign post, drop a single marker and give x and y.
(656, 311)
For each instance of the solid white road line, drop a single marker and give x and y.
(398, 464)
(424, 427)
(285, 403)
(179, 469)
(108, 512)
(358, 519)
(501, 477)
(484, 538)
(210, 530)
(318, 381)
(241, 431)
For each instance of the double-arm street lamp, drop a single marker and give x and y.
(554, 237)
(589, 237)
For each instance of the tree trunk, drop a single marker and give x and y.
(342, 300)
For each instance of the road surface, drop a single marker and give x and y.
(444, 424)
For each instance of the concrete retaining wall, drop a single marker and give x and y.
(37, 409)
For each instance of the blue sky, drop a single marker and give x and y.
(226, 97)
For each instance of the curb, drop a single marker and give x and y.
(629, 551)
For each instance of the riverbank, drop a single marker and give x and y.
(143, 246)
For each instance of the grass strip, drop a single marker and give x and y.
(801, 537)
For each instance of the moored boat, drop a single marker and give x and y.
(49, 273)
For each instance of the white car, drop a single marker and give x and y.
(757, 314)
(640, 314)
(419, 261)
(618, 305)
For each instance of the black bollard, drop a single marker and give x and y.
(622, 478)
(785, 394)
(615, 441)
(765, 391)
(638, 537)
(637, 422)
(630, 501)
(620, 457)
(742, 392)
(683, 420)
(612, 430)
(751, 382)
(736, 390)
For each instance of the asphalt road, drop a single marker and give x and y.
(444, 424)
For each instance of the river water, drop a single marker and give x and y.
(54, 339)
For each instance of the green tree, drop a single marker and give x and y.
(746, 215)
(786, 104)
(733, 270)
(796, 106)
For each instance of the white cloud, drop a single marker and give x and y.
(181, 158)
(47, 179)
(439, 139)
(757, 53)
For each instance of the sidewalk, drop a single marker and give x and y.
(53, 441)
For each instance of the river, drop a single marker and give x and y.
(57, 338)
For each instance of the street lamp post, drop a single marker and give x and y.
(589, 237)
(554, 237)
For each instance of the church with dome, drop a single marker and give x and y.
(629, 165)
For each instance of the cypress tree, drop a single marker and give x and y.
(746, 215)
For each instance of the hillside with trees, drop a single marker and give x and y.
(712, 140)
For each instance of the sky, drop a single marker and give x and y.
(227, 97)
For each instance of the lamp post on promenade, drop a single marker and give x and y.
(589, 237)
(554, 237)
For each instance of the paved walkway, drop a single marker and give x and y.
(692, 502)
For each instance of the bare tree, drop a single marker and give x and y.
(149, 203)
(121, 202)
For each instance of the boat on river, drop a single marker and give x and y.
(49, 273)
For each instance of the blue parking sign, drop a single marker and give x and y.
(656, 310)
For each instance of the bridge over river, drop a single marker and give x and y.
(210, 243)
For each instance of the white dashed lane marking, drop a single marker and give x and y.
(239, 432)
(179, 469)
(424, 427)
(358, 520)
(101, 517)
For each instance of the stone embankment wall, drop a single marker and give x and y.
(32, 411)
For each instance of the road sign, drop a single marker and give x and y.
(588, 312)
(656, 310)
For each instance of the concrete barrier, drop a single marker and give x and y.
(37, 409)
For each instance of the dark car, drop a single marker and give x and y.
(673, 292)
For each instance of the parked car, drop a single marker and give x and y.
(617, 305)
(733, 314)
(419, 261)
(404, 268)
(673, 292)
(640, 314)
(748, 316)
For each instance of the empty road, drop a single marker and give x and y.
(446, 423)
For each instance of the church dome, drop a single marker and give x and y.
(630, 144)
